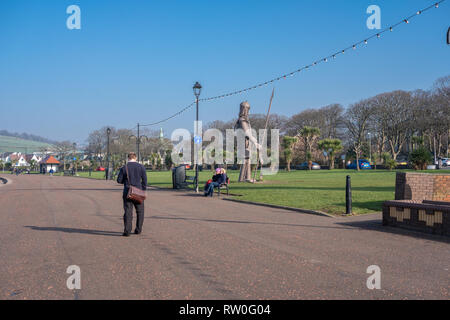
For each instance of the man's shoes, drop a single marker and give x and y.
(137, 232)
(126, 234)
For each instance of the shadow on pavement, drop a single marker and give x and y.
(74, 230)
(376, 225)
(249, 222)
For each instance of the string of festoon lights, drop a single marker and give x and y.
(354, 46)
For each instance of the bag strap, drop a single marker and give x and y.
(128, 175)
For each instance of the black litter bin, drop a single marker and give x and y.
(179, 177)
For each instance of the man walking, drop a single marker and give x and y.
(136, 177)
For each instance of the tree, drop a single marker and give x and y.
(328, 119)
(33, 164)
(97, 142)
(64, 149)
(168, 159)
(309, 136)
(331, 147)
(333, 121)
(389, 163)
(395, 111)
(13, 163)
(2, 163)
(416, 142)
(357, 120)
(288, 143)
(420, 158)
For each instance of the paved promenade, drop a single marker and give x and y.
(198, 248)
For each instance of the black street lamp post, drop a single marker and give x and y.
(138, 138)
(108, 169)
(138, 142)
(197, 90)
(74, 158)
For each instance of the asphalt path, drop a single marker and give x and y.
(201, 248)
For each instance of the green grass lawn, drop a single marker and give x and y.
(315, 190)
(94, 175)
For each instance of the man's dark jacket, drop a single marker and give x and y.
(220, 178)
(138, 177)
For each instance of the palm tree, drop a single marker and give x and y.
(309, 136)
(288, 144)
(331, 147)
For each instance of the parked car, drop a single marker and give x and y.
(401, 162)
(304, 166)
(100, 169)
(445, 162)
(363, 165)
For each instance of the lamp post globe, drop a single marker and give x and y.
(197, 89)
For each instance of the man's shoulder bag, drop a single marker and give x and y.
(135, 194)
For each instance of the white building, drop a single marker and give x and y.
(22, 162)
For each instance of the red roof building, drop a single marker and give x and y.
(49, 163)
(50, 160)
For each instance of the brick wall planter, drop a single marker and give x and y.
(422, 186)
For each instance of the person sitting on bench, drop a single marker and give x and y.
(219, 178)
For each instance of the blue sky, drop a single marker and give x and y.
(136, 61)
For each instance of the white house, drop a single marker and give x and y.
(22, 162)
(14, 156)
(31, 157)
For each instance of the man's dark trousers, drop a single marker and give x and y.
(128, 216)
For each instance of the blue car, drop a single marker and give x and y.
(363, 165)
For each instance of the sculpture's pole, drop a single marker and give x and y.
(265, 128)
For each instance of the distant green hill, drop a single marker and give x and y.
(11, 144)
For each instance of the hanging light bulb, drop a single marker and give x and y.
(436, 5)
(326, 60)
(343, 51)
(406, 20)
(365, 41)
(378, 35)
(354, 47)
(390, 29)
(419, 12)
